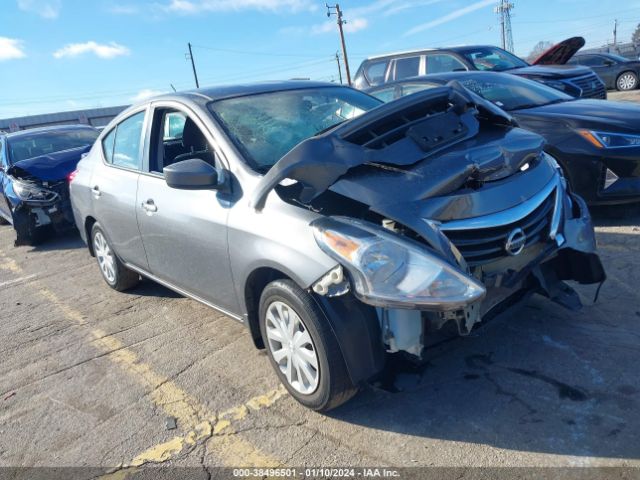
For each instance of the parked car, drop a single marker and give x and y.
(573, 80)
(34, 171)
(596, 142)
(615, 71)
(336, 228)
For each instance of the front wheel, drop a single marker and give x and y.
(113, 271)
(302, 348)
(627, 81)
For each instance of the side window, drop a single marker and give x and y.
(418, 87)
(176, 137)
(375, 72)
(442, 62)
(592, 61)
(385, 94)
(174, 125)
(126, 147)
(2, 162)
(407, 67)
(107, 145)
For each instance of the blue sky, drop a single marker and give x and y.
(68, 54)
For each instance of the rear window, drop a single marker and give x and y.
(407, 67)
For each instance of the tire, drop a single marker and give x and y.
(113, 271)
(627, 81)
(283, 301)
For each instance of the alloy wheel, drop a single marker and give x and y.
(105, 257)
(292, 348)
(627, 81)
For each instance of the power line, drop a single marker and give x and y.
(256, 53)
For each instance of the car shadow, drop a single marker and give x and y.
(68, 240)
(541, 379)
(149, 288)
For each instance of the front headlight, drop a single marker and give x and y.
(555, 84)
(30, 192)
(610, 140)
(389, 271)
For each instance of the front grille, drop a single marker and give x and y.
(484, 245)
(591, 86)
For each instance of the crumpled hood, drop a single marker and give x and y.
(54, 166)
(551, 71)
(617, 116)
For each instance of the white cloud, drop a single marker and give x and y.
(101, 50)
(11, 48)
(352, 26)
(145, 93)
(124, 9)
(45, 8)
(450, 17)
(196, 6)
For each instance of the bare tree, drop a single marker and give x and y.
(538, 49)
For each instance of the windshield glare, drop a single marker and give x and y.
(45, 143)
(266, 126)
(512, 93)
(493, 59)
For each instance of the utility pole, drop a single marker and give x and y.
(615, 33)
(335, 10)
(503, 9)
(193, 65)
(339, 69)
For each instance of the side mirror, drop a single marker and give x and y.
(194, 174)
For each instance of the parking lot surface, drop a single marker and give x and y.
(92, 377)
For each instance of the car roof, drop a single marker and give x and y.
(459, 48)
(52, 128)
(208, 94)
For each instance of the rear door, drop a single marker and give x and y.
(185, 231)
(407, 67)
(603, 66)
(114, 186)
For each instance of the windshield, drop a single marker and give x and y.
(493, 59)
(44, 143)
(267, 125)
(513, 93)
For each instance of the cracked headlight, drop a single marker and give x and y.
(389, 271)
(610, 140)
(30, 192)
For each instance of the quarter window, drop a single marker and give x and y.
(122, 145)
(375, 72)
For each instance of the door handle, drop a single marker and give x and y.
(96, 191)
(149, 206)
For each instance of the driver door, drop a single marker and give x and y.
(184, 232)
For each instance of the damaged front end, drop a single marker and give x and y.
(438, 211)
(37, 206)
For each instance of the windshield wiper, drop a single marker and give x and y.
(320, 132)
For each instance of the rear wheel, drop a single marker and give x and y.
(113, 271)
(627, 81)
(302, 348)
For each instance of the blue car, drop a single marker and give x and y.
(35, 168)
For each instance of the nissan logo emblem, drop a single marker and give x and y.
(515, 242)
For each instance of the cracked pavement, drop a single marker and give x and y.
(89, 377)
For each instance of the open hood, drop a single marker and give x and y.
(561, 52)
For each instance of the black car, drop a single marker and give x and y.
(597, 143)
(615, 71)
(577, 81)
(35, 166)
